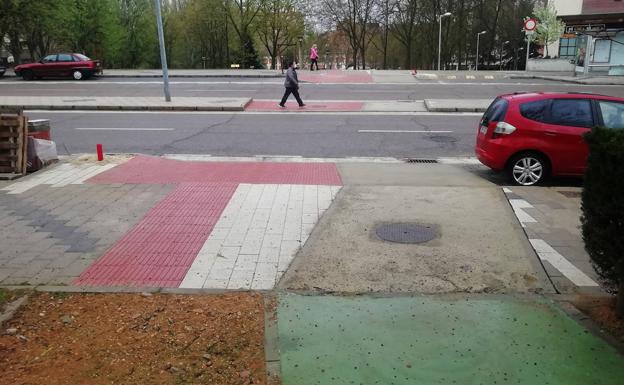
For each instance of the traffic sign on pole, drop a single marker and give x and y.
(530, 25)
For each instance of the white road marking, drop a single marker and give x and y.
(404, 131)
(518, 206)
(302, 113)
(211, 90)
(507, 191)
(559, 262)
(122, 129)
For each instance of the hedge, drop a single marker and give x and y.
(603, 206)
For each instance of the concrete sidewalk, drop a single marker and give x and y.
(123, 103)
(185, 73)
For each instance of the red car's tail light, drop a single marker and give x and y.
(503, 128)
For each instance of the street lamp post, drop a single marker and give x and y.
(500, 68)
(477, 58)
(440, 36)
(163, 54)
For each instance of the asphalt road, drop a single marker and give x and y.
(250, 134)
(273, 88)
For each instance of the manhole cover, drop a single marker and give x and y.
(406, 232)
(442, 139)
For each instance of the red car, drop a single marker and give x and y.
(61, 65)
(532, 136)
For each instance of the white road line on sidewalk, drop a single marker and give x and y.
(405, 131)
(122, 129)
(507, 191)
(518, 206)
(559, 262)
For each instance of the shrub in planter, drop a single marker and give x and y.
(603, 207)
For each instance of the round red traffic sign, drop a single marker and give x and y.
(530, 24)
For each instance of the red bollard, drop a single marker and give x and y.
(100, 153)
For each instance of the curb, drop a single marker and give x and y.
(565, 80)
(128, 108)
(154, 76)
(451, 105)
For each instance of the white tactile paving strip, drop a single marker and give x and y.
(59, 176)
(257, 236)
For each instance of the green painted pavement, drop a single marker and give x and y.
(438, 340)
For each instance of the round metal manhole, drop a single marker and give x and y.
(406, 232)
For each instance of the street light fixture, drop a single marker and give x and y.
(500, 68)
(477, 58)
(440, 36)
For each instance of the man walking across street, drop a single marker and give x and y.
(292, 85)
(314, 57)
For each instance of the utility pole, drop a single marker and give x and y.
(163, 54)
(440, 36)
(477, 58)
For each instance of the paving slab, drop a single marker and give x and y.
(438, 340)
(124, 103)
(457, 105)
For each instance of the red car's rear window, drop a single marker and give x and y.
(82, 57)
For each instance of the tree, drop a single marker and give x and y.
(549, 28)
(242, 14)
(279, 26)
(404, 27)
(603, 207)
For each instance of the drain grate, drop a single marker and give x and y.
(413, 160)
(406, 232)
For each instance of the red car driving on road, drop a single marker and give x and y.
(535, 135)
(74, 65)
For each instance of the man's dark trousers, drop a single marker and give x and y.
(293, 91)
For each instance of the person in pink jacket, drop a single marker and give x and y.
(314, 57)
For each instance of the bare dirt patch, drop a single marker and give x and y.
(135, 339)
(601, 309)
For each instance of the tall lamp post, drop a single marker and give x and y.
(477, 58)
(163, 54)
(440, 36)
(500, 68)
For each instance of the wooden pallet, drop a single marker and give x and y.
(13, 143)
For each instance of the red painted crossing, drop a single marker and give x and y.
(161, 248)
(154, 170)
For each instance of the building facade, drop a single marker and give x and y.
(594, 34)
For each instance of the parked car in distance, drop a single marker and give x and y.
(532, 136)
(74, 65)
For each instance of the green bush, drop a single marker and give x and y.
(603, 206)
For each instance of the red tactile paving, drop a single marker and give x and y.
(161, 248)
(333, 106)
(334, 76)
(154, 170)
